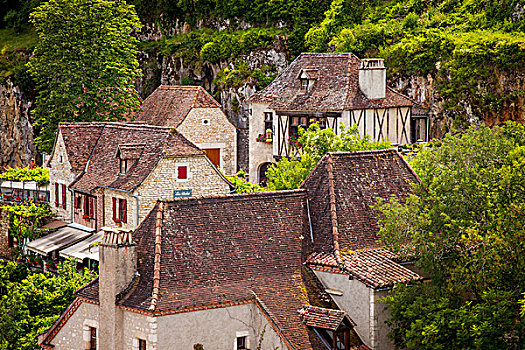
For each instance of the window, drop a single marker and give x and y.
(182, 172)
(338, 340)
(241, 343)
(92, 338)
(305, 122)
(89, 207)
(304, 85)
(60, 195)
(205, 122)
(123, 166)
(142, 344)
(56, 194)
(120, 210)
(268, 121)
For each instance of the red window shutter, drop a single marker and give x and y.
(114, 209)
(124, 217)
(86, 206)
(183, 172)
(63, 196)
(91, 206)
(56, 194)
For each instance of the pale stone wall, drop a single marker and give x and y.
(60, 172)
(217, 329)
(260, 152)
(383, 342)
(74, 334)
(144, 327)
(210, 128)
(203, 179)
(355, 301)
(131, 209)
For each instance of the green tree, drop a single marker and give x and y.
(465, 227)
(34, 301)
(288, 174)
(84, 64)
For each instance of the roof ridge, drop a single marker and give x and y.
(282, 193)
(156, 265)
(134, 125)
(333, 212)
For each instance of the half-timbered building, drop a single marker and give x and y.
(334, 90)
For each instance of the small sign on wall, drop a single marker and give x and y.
(182, 193)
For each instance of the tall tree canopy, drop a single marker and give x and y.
(84, 64)
(466, 228)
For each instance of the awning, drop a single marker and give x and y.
(54, 224)
(60, 239)
(83, 249)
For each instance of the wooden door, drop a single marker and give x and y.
(215, 155)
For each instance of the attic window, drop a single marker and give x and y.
(205, 122)
(242, 343)
(335, 340)
(304, 85)
(123, 166)
(182, 172)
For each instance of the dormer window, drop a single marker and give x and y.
(123, 166)
(304, 85)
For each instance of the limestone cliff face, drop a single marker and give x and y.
(425, 91)
(16, 131)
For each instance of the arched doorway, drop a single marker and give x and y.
(262, 173)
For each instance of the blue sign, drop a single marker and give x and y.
(181, 193)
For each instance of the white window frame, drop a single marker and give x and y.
(189, 174)
(242, 334)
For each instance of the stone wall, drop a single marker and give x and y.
(209, 128)
(60, 172)
(75, 333)
(4, 233)
(259, 152)
(137, 326)
(217, 329)
(203, 179)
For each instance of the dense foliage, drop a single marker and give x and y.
(314, 143)
(465, 227)
(37, 174)
(25, 220)
(90, 75)
(32, 302)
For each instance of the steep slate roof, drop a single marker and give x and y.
(342, 189)
(219, 251)
(169, 105)
(148, 143)
(79, 140)
(335, 87)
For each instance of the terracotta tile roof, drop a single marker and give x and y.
(169, 105)
(79, 140)
(342, 189)
(376, 268)
(335, 89)
(226, 250)
(321, 317)
(148, 143)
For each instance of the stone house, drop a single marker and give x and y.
(111, 174)
(198, 117)
(224, 272)
(332, 89)
(298, 269)
(347, 257)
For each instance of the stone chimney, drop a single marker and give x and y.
(372, 78)
(118, 267)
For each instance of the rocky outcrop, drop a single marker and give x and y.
(16, 131)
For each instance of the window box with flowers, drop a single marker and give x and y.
(262, 138)
(293, 141)
(86, 217)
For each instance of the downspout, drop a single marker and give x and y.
(309, 219)
(372, 323)
(71, 214)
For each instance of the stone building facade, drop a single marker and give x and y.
(113, 173)
(198, 117)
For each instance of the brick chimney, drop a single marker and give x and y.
(372, 78)
(118, 267)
